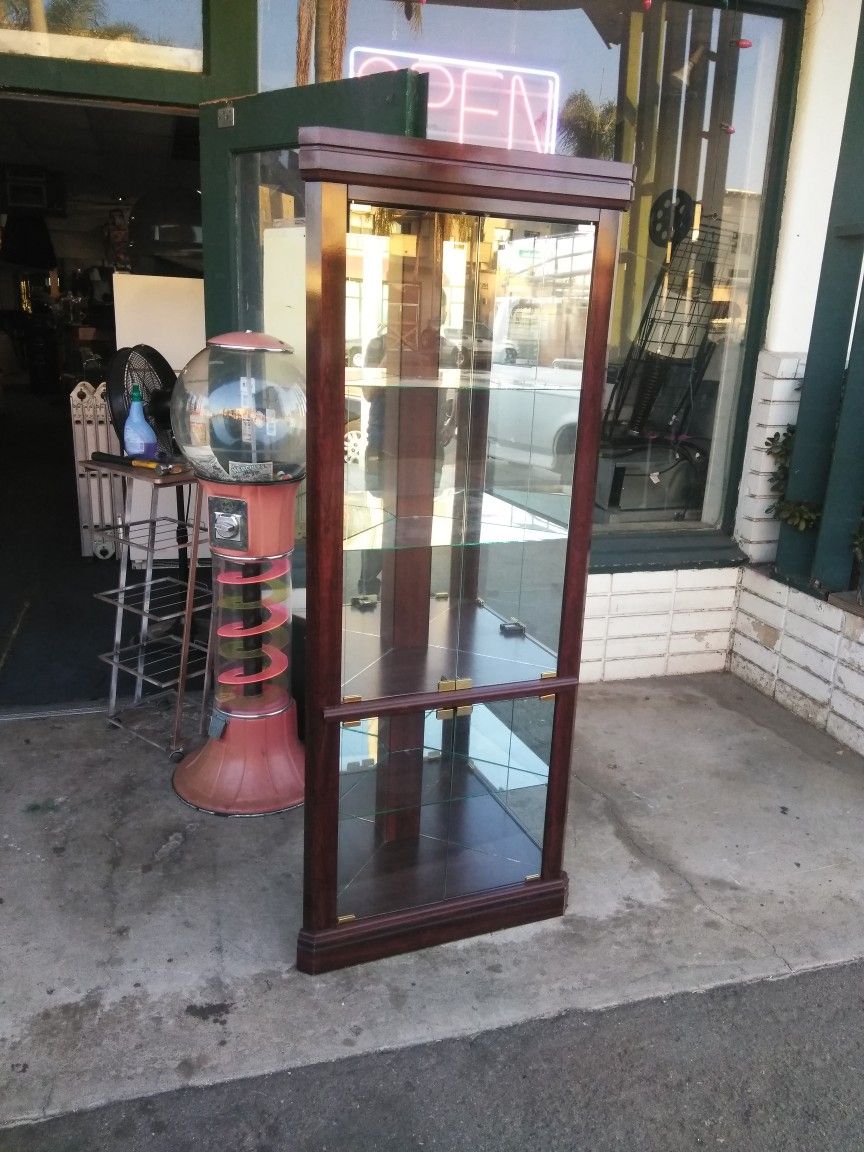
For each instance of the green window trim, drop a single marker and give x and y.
(230, 67)
(396, 102)
(663, 551)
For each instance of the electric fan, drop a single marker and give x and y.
(144, 366)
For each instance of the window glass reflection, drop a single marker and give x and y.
(687, 93)
(158, 34)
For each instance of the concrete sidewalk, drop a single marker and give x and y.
(770, 1066)
(714, 838)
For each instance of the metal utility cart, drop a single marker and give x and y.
(164, 654)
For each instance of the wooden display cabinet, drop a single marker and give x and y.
(447, 564)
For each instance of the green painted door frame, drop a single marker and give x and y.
(825, 470)
(393, 103)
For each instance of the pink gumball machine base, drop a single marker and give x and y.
(254, 768)
(253, 764)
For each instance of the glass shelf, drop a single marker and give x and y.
(561, 374)
(495, 760)
(464, 640)
(500, 522)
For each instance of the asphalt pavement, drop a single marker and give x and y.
(772, 1066)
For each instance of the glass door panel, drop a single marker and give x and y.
(250, 188)
(271, 247)
(457, 494)
(436, 805)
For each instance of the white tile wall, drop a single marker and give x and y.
(663, 623)
(806, 654)
(753, 652)
(691, 662)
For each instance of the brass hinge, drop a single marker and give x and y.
(446, 685)
(346, 919)
(548, 695)
(351, 700)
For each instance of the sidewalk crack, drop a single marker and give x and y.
(629, 837)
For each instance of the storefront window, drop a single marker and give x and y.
(687, 93)
(158, 34)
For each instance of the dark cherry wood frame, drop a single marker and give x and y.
(338, 167)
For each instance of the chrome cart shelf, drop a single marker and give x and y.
(163, 599)
(157, 661)
(162, 534)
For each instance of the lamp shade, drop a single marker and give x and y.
(27, 241)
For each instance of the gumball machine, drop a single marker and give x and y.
(238, 412)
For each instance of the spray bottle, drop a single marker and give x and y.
(139, 439)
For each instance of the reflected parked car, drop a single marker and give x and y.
(476, 347)
(472, 346)
(533, 417)
(449, 355)
(469, 347)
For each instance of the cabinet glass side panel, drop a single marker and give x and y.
(434, 806)
(464, 344)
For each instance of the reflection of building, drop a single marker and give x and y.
(740, 217)
(741, 210)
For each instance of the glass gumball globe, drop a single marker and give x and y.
(238, 411)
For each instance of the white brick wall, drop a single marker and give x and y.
(806, 654)
(667, 623)
(775, 406)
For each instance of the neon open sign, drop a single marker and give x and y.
(477, 103)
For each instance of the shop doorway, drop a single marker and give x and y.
(87, 191)
(95, 167)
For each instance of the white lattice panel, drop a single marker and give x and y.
(100, 497)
